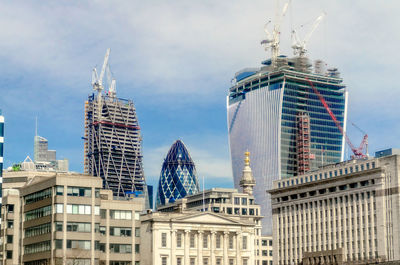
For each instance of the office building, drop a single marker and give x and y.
(178, 177)
(274, 112)
(68, 219)
(113, 143)
(1, 152)
(349, 211)
(45, 159)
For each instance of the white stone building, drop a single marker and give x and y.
(352, 208)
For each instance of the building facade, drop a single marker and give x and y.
(1, 152)
(348, 209)
(113, 144)
(178, 177)
(264, 108)
(69, 219)
(45, 159)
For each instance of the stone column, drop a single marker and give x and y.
(173, 247)
(212, 249)
(200, 247)
(237, 247)
(226, 234)
(187, 247)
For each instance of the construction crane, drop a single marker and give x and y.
(357, 152)
(272, 40)
(97, 81)
(299, 47)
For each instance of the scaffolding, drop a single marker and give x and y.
(113, 145)
(303, 143)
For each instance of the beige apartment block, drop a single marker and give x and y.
(351, 209)
(68, 219)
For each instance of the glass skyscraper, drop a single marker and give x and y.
(178, 176)
(264, 106)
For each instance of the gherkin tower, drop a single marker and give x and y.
(178, 176)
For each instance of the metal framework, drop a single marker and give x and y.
(303, 143)
(113, 145)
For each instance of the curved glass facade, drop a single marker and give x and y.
(262, 110)
(178, 176)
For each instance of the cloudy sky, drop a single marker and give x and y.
(175, 59)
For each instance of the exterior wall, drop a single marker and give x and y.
(266, 250)
(192, 228)
(353, 206)
(113, 149)
(83, 224)
(262, 112)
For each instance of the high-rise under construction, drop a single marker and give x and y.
(113, 140)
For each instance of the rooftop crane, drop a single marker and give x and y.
(299, 47)
(97, 81)
(272, 40)
(358, 152)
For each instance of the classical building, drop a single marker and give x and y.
(178, 177)
(69, 219)
(348, 211)
(228, 205)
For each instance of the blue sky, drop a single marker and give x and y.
(175, 59)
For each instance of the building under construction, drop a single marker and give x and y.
(113, 141)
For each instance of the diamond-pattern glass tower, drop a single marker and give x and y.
(178, 176)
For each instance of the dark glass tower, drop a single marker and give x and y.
(178, 176)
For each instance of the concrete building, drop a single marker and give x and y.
(225, 203)
(45, 159)
(349, 210)
(69, 219)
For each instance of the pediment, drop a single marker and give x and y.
(206, 218)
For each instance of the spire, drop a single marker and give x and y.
(247, 181)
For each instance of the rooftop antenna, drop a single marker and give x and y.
(272, 41)
(298, 46)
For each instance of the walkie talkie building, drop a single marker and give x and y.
(264, 107)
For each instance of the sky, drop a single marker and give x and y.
(175, 59)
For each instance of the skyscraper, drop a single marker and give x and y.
(1, 153)
(274, 113)
(178, 176)
(113, 149)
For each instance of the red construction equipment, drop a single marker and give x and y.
(303, 142)
(358, 152)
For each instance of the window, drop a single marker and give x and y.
(137, 216)
(79, 192)
(97, 210)
(10, 224)
(38, 230)
(102, 230)
(231, 261)
(218, 261)
(121, 215)
(178, 261)
(9, 239)
(244, 242)
(163, 260)
(79, 209)
(120, 248)
(38, 196)
(179, 240)
(38, 213)
(244, 201)
(218, 241)
(230, 242)
(59, 244)
(9, 254)
(164, 240)
(137, 248)
(229, 210)
(60, 190)
(192, 245)
(58, 226)
(97, 193)
(79, 227)
(192, 261)
(37, 247)
(205, 241)
(244, 211)
(237, 200)
(59, 208)
(103, 214)
(79, 244)
(120, 231)
(137, 232)
(205, 261)
(244, 262)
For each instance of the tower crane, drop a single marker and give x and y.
(357, 152)
(299, 47)
(97, 81)
(272, 41)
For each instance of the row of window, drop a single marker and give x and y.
(38, 213)
(38, 196)
(206, 243)
(37, 247)
(77, 209)
(325, 175)
(206, 261)
(77, 191)
(38, 230)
